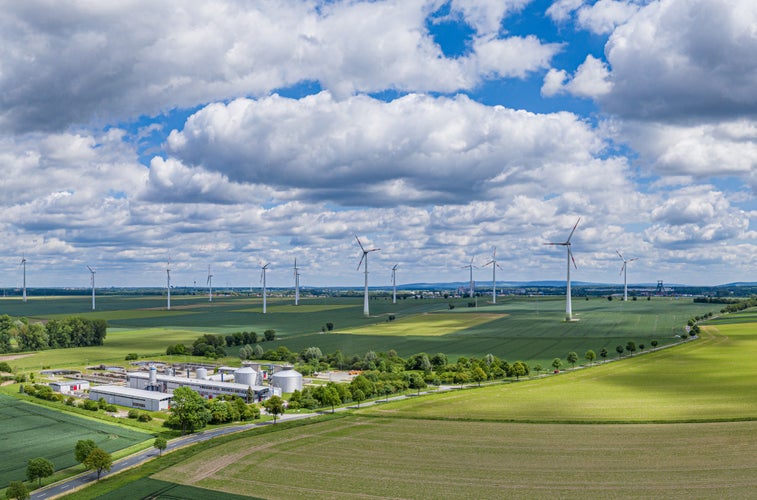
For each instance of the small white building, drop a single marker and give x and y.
(131, 398)
(69, 386)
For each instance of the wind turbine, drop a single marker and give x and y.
(23, 263)
(566, 244)
(296, 283)
(262, 280)
(210, 286)
(364, 257)
(470, 267)
(168, 284)
(92, 280)
(624, 272)
(494, 264)
(394, 284)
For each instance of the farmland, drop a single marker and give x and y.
(31, 431)
(525, 328)
(676, 423)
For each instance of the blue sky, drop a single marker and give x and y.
(231, 134)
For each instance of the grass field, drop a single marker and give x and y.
(30, 431)
(694, 436)
(425, 325)
(398, 458)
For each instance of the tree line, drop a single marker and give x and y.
(76, 331)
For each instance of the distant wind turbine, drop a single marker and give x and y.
(494, 265)
(364, 257)
(394, 284)
(210, 285)
(296, 283)
(624, 272)
(168, 284)
(23, 264)
(92, 280)
(471, 285)
(566, 244)
(263, 269)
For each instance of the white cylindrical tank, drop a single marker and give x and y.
(153, 376)
(287, 380)
(202, 373)
(246, 376)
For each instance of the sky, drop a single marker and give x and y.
(230, 134)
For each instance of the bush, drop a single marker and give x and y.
(133, 413)
(90, 405)
(5, 367)
(144, 417)
(111, 408)
(131, 356)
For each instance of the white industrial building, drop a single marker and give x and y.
(130, 397)
(287, 380)
(69, 386)
(152, 381)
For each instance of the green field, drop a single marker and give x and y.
(30, 431)
(677, 423)
(520, 328)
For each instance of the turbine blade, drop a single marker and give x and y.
(358, 242)
(361, 259)
(574, 229)
(619, 255)
(622, 268)
(570, 253)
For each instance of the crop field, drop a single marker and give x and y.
(30, 431)
(521, 328)
(399, 458)
(433, 324)
(708, 379)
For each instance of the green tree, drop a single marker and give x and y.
(16, 490)
(478, 375)
(275, 406)
(160, 444)
(630, 347)
(538, 368)
(603, 353)
(572, 358)
(39, 468)
(330, 397)
(556, 364)
(518, 369)
(98, 460)
(461, 378)
(82, 449)
(270, 335)
(358, 396)
(188, 411)
(619, 349)
(654, 344)
(590, 356)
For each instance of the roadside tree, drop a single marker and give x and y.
(358, 396)
(572, 358)
(98, 460)
(619, 349)
(39, 468)
(590, 356)
(275, 406)
(518, 369)
(160, 444)
(478, 375)
(556, 363)
(82, 449)
(603, 353)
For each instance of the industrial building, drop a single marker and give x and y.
(130, 397)
(69, 386)
(152, 381)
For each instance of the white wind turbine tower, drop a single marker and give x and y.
(262, 280)
(23, 263)
(364, 257)
(168, 285)
(92, 280)
(210, 285)
(566, 244)
(624, 271)
(494, 264)
(296, 283)
(470, 286)
(394, 284)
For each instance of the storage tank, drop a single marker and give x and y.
(246, 376)
(202, 373)
(287, 380)
(153, 376)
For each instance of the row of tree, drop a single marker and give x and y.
(75, 331)
(190, 411)
(213, 346)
